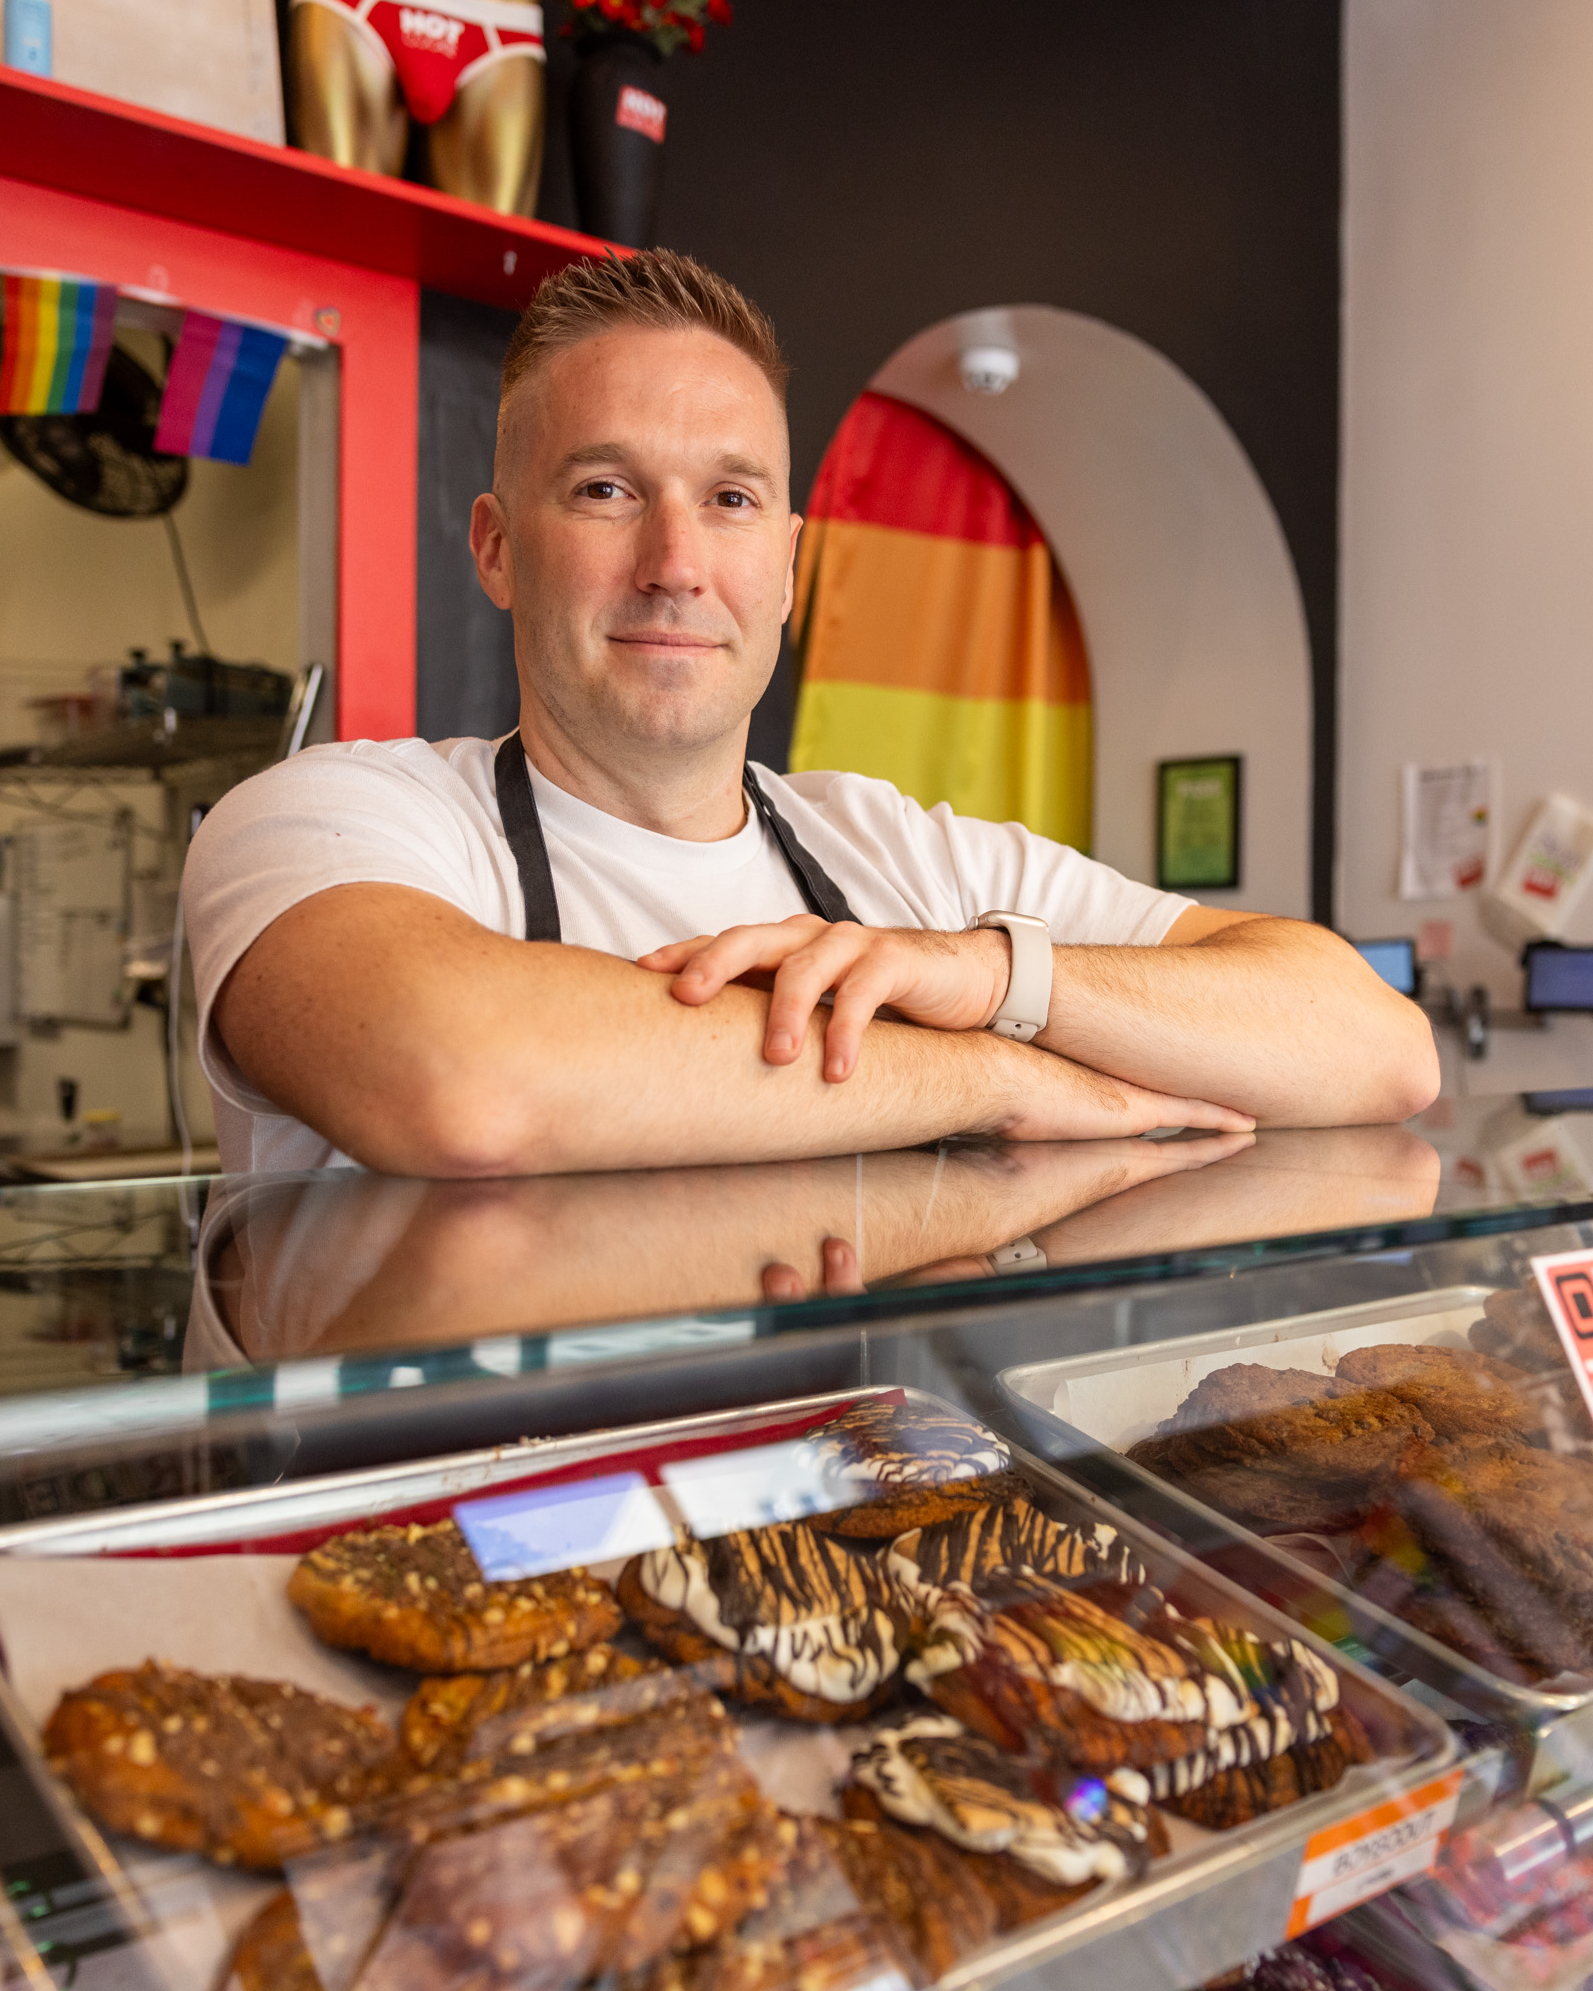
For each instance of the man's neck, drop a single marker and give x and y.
(696, 797)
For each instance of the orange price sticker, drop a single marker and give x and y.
(1565, 1279)
(1344, 1865)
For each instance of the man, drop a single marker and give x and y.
(360, 916)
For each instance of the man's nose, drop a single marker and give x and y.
(669, 555)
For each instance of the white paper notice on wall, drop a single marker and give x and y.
(1448, 829)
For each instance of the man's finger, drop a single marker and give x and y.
(1201, 1113)
(670, 959)
(857, 1002)
(738, 951)
(803, 977)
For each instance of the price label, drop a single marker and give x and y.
(1565, 1279)
(1347, 1864)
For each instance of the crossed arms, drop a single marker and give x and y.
(419, 1042)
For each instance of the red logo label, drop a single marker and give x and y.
(1565, 1281)
(639, 110)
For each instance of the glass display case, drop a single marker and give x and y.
(1153, 1562)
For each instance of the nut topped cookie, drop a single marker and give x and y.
(415, 1596)
(888, 1467)
(815, 1628)
(248, 1772)
(582, 1691)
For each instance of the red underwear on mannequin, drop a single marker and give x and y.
(434, 52)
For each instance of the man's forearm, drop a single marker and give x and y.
(1273, 1017)
(421, 1043)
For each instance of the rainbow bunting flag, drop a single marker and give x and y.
(216, 388)
(936, 638)
(56, 340)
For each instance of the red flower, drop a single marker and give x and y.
(721, 11)
(695, 37)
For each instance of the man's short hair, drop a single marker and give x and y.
(655, 289)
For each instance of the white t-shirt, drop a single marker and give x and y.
(406, 812)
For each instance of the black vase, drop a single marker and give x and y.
(617, 116)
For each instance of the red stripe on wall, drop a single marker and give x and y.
(891, 465)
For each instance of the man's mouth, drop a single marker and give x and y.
(666, 639)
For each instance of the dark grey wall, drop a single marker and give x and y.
(1171, 166)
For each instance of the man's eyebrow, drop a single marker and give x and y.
(612, 455)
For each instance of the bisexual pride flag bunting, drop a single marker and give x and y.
(56, 340)
(936, 637)
(216, 388)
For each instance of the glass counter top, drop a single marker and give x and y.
(134, 1309)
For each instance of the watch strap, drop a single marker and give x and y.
(1027, 1004)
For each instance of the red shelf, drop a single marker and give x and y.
(75, 142)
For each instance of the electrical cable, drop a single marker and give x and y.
(190, 604)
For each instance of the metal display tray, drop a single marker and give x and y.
(1214, 1900)
(1087, 1410)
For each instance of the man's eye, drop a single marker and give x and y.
(600, 488)
(735, 501)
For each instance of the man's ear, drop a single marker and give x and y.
(790, 568)
(489, 542)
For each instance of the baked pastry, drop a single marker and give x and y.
(414, 1596)
(1511, 1529)
(813, 1934)
(603, 1884)
(271, 1954)
(1516, 1327)
(249, 1772)
(804, 1623)
(1259, 1767)
(1062, 1672)
(1317, 1462)
(517, 1704)
(1460, 1394)
(980, 1546)
(921, 1889)
(1034, 1850)
(888, 1466)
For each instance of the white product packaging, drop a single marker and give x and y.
(1539, 887)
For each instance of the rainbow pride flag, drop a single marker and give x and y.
(936, 639)
(54, 345)
(216, 388)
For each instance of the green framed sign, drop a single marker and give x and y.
(1197, 823)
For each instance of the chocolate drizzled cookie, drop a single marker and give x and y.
(984, 1545)
(415, 1596)
(248, 1772)
(1036, 1847)
(889, 1467)
(1263, 1764)
(803, 1623)
(918, 1887)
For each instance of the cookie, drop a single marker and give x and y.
(887, 1467)
(923, 1890)
(813, 1934)
(271, 1954)
(447, 1711)
(603, 1884)
(1461, 1394)
(675, 1741)
(1041, 1845)
(1259, 1768)
(414, 1596)
(987, 1542)
(247, 1772)
(807, 1625)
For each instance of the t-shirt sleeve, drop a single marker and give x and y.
(330, 816)
(951, 868)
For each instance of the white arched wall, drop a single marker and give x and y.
(1177, 563)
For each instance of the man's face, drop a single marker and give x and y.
(641, 531)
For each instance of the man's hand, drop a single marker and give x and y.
(946, 981)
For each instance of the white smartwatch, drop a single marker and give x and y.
(1027, 1003)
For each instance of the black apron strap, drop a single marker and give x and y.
(523, 827)
(517, 807)
(820, 890)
